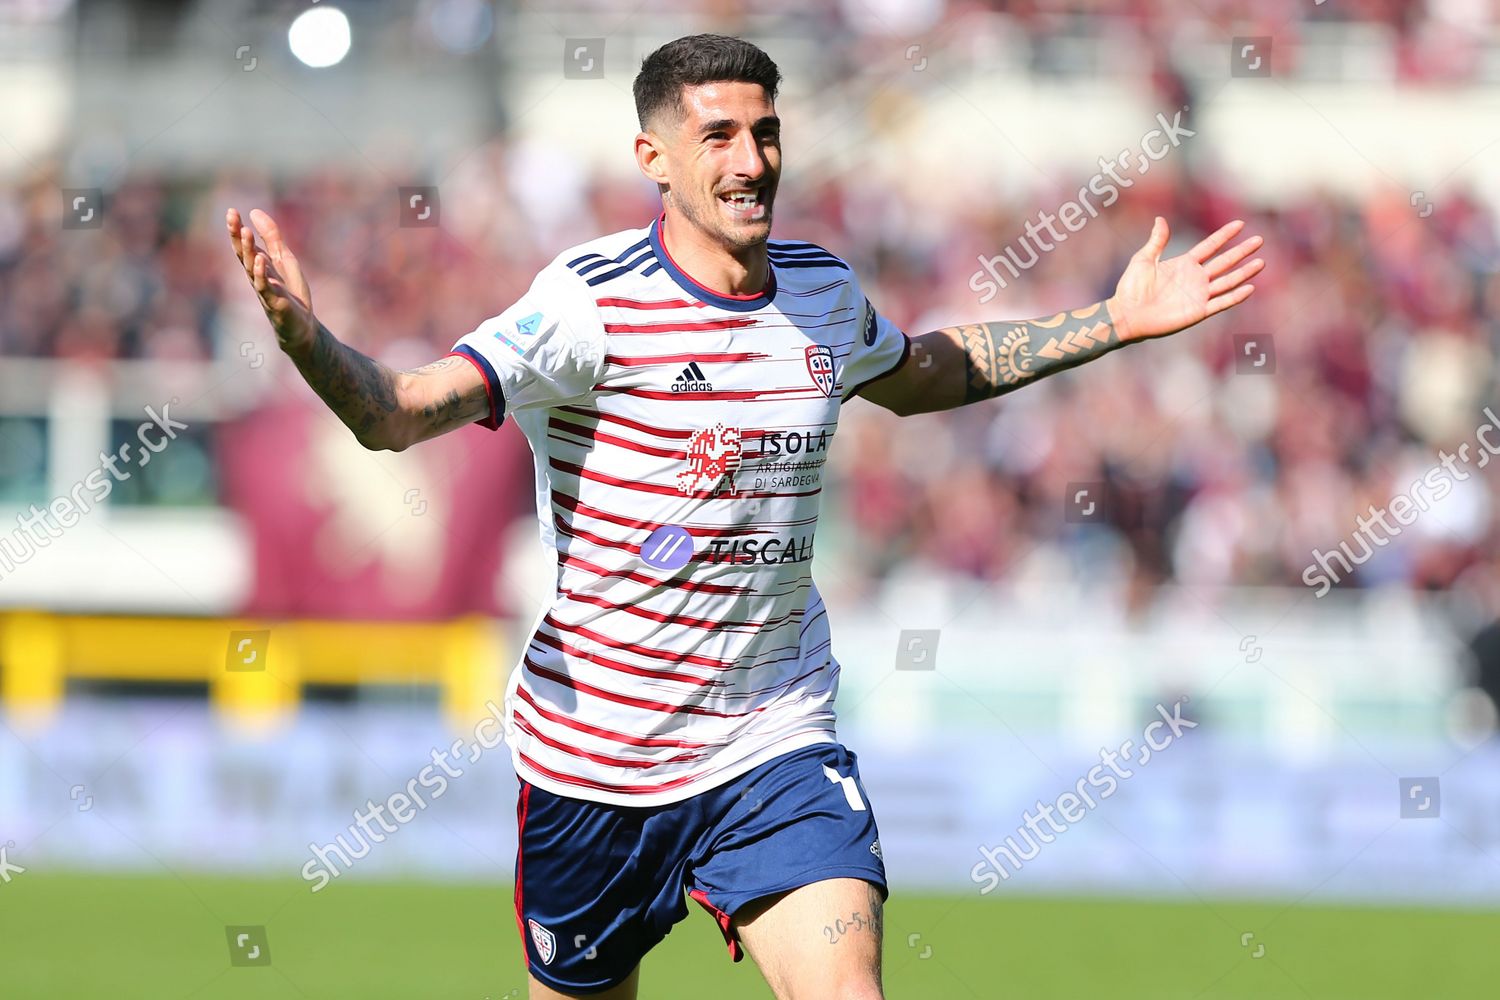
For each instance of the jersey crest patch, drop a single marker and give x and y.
(820, 367)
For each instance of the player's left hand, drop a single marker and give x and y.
(1156, 297)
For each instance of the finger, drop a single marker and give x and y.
(247, 248)
(258, 276)
(1229, 258)
(1211, 244)
(232, 222)
(1224, 284)
(266, 226)
(1233, 298)
(1160, 233)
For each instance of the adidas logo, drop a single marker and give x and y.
(692, 379)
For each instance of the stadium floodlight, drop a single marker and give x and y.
(320, 37)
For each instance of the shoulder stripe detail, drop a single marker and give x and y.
(628, 266)
(821, 262)
(820, 289)
(599, 259)
(800, 252)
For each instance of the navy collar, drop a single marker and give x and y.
(736, 303)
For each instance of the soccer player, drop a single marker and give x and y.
(672, 717)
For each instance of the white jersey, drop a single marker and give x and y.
(680, 437)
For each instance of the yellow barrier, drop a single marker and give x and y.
(254, 670)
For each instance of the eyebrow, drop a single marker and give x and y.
(720, 124)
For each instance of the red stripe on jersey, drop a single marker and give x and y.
(625, 699)
(633, 424)
(594, 434)
(670, 491)
(620, 303)
(600, 758)
(610, 734)
(568, 779)
(675, 619)
(667, 359)
(593, 539)
(677, 326)
(574, 562)
(567, 502)
(619, 665)
(631, 647)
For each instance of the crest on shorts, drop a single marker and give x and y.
(546, 943)
(820, 367)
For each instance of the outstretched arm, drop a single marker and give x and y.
(959, 365)
(386, 409)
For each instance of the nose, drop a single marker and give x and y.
(747, 160)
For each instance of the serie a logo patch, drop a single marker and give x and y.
(546, 943)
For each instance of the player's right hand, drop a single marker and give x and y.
(276, 277)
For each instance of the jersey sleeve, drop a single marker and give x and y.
(880, 348)
(545, 350)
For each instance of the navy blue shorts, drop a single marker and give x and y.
(598, 886)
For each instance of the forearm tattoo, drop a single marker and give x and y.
(360, 391)
(452, 408)
(364, 393)
(1001, 357)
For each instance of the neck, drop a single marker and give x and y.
(708, 262)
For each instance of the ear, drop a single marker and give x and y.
(651, 157)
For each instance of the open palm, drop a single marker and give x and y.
(276, 277)
(1157, 297)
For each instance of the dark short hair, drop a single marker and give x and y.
(697, 59)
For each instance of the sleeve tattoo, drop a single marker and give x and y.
(365, 394)
(360, 391)
(1001, 357)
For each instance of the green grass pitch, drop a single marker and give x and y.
(163, 938)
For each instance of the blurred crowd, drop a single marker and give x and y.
(1378, 327)
(1374, 325)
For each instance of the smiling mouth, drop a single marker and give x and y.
(747, 204)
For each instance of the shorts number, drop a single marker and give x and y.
(851, 790)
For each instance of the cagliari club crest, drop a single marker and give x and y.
(820, 367)
(546, 943)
